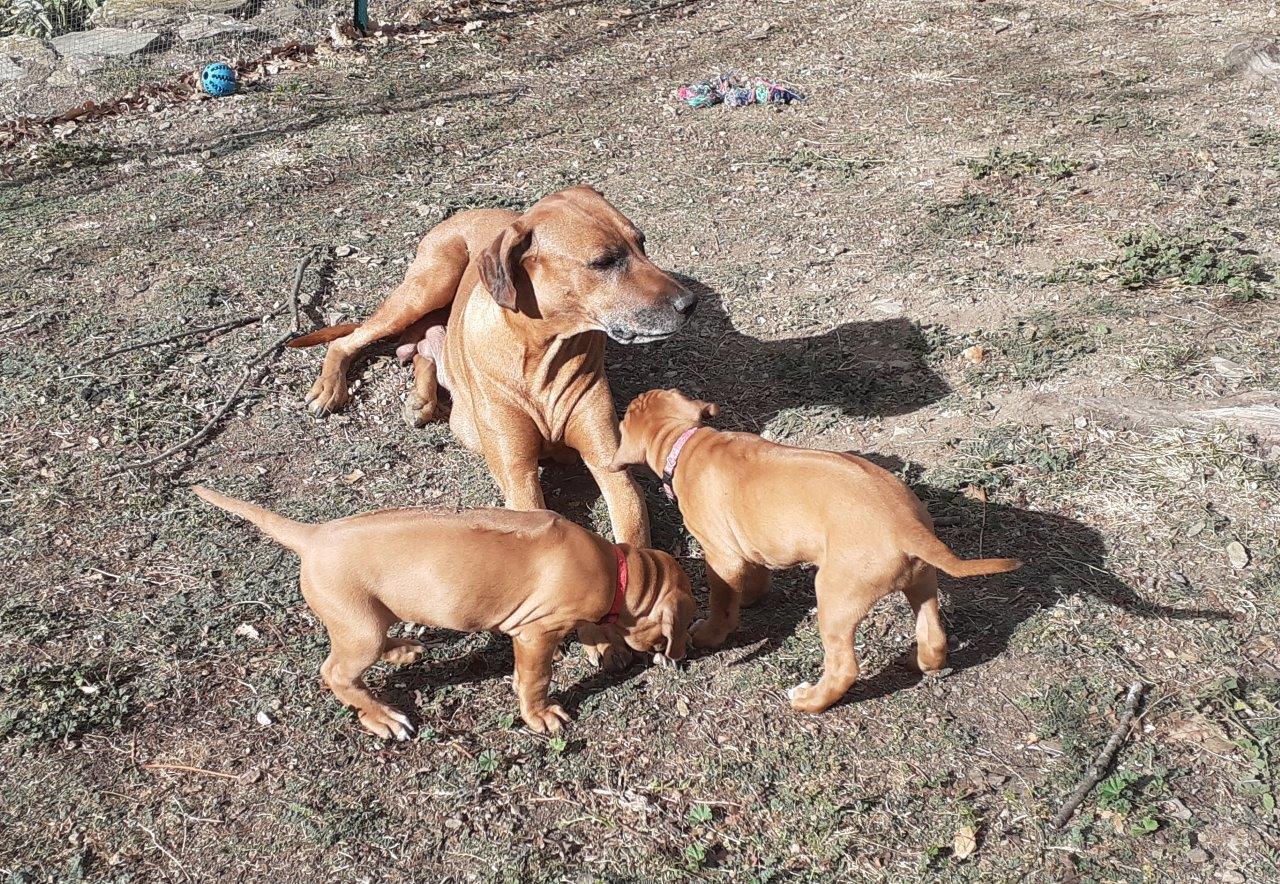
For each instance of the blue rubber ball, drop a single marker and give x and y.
(218, 79)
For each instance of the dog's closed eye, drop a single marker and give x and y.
(614, 259)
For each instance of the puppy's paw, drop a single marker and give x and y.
(547, 721)
(327, 395)
(404, 653)
(708, 634)
(383, 721)
(609, 657)
(419, 412)
(664, 661)
(805, 697)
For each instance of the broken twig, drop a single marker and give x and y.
(208, 329)
(254, 371)
(1100, 764)
(156, 765)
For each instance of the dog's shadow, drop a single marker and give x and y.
(863, 369)
(1062, 558)
(872, 368)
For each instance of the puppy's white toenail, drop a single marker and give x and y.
(791, 694)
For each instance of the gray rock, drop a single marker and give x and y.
(26, 51)
(126, 12)
(9, 70)
(203, 26)
(104, 41)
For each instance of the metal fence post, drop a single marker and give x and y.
(362, 16)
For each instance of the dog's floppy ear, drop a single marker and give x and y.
(498, 263)
(704, 410)
(674, 631)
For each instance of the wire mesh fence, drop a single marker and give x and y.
(55, 54)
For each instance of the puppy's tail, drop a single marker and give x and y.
(929, 548)
(324, 335)
(284, 531)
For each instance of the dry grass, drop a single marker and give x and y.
(849, 253)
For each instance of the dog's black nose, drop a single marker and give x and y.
(685, 304)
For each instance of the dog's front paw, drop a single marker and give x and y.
(709, 633)
(383, 721)
(609, 657)
(548, 720)
(805, 697)
(419, 412)
(327, 395)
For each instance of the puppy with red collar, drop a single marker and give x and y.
(755, 506)
(532, 575)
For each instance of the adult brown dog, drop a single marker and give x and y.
(756, 506)
(509, 313)
(531, 575)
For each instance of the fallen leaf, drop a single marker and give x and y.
(977, 354)
(1237, 554)
(247, 630)
(353, 477)
(966, 842)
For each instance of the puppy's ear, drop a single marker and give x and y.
(708, 410)
(675, 626)
(498, 263)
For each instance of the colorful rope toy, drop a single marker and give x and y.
(737, 91)
(218, 79)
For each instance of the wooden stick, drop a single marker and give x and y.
(208, 329)
(156, 765)
(254, 371)
(1100, 764)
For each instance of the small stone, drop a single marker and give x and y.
(1082, 422)
(1237, 554)
(344, 251)
(248, 631)
(1179, 577)
(453, 823)
(1231, 876)
(9, 70)
(1227, 368)
(264, 719)
(1197, 856)
(977, 354)
(1195, 528)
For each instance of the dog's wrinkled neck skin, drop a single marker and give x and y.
(644, 585)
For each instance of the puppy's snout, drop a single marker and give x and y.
(685, 304)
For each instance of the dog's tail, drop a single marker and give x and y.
(324, 335)
(929, 548)
(284, 531)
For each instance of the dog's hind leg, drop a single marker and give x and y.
(931, 637)
(430, 284)
(401, 651)
(843, 600)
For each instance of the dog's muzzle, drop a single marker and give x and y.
(654, 324)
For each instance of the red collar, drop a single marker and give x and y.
(620, 593)
(669, 468)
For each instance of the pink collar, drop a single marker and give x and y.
(669, 469)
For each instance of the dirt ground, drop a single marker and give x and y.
(1019, 252)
